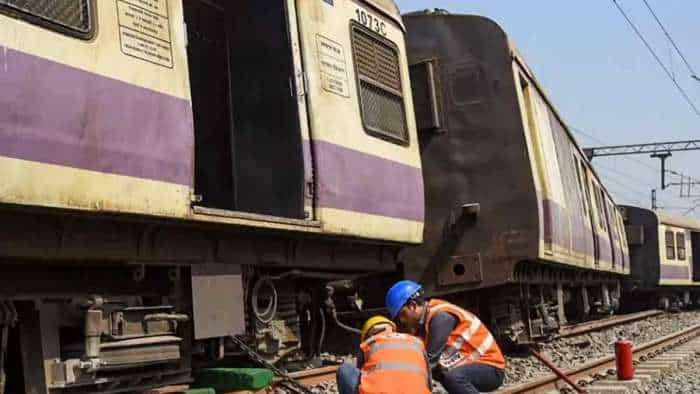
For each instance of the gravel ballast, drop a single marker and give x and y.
(683, 379)
(573, 351)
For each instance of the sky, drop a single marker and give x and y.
(606, 84)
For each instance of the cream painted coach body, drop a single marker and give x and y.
(665, 259)
(335, 110)
(580, 225)
(122, 137)
(177, 172)
(677, 249)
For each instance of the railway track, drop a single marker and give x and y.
(592, 375)
(318, 376)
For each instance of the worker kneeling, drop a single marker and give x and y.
(462, 352)
(388, 362)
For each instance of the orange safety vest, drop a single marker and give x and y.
(394, 364)
(469, 342)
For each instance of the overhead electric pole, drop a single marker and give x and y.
(657, 150)
(662, 156)
(654, 148)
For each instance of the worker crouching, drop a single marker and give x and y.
(388, 362)
(462, 352)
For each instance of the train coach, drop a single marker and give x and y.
(665, 260)
(518, 224)
(177, 172)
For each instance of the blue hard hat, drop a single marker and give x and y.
(399, 294)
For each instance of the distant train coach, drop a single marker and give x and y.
(665, 255)
(513, 208)
(175, 172)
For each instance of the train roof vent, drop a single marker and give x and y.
(429, 11)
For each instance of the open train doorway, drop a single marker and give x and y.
(248, 141)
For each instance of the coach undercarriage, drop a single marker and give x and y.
(77, 329)
(675, 299)
(112, 329)
(542, 299)
(666, 298)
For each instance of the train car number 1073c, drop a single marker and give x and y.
(371, 21)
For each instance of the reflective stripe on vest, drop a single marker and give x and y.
(394, 366)
(467, 335)
(415, 346)
(486, 345)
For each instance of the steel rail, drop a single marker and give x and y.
(583, 374)
(586, 327)
(313, 377)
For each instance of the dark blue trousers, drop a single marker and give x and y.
(348, 378)
(472, 379)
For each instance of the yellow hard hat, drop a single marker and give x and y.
(373, 321)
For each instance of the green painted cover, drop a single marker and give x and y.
(230, 379)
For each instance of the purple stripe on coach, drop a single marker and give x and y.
(674, 272)
(56, 114)
(356, 181)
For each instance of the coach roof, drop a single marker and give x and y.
(678, 221)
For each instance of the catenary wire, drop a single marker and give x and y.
(668, 35)
(658, 59)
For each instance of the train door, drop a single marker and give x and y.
(612, 233)
(695, 254)
(211, 102)
(587, 216)
(595, 219)
(249, 110)
(539, 154)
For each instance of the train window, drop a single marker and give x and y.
(73, 17)
(680, 246)
(378, 71)
(670, 245)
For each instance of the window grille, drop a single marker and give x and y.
(70, 16)
(380, 87)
